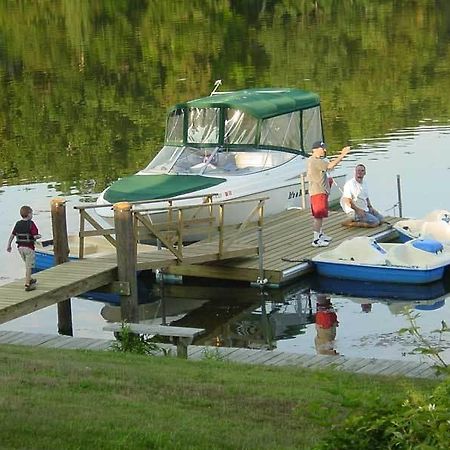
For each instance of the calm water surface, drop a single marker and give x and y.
(281, 319)
(83, 102)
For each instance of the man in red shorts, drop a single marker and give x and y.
(319, 188)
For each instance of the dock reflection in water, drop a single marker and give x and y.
(318, 315)
(232, 316)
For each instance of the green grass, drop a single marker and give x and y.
(66, 399)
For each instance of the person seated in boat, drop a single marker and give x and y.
(227, 161)
(356, 203)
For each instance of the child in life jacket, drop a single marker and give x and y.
(25, 231)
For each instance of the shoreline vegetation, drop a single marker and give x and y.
(75, 399)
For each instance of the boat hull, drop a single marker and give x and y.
(418, 261)
(277, 200)
(379, 274)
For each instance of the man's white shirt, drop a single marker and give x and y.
(359, 194)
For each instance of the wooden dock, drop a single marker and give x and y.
(274, 358)
(76, 277)
(287, 248)
(277, 252)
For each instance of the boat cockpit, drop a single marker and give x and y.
(188, 160)
(238, 133)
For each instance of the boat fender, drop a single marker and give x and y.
(428, 245)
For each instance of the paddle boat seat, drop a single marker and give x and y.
(417, 253)
(435, 225)
(362, 249)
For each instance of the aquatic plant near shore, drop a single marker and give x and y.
(425, 346)
(130, 342)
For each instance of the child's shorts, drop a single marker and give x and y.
(28, 255)
(319, 205)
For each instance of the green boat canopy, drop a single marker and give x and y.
(145, 187)
(285, 119)
(260, 103)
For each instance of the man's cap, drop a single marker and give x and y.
(319, 144)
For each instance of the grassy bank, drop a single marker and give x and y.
(54, 399)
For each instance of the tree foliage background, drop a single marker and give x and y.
(85, 86)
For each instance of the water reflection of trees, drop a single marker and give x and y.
(84, 96)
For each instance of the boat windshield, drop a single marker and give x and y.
(215, 161)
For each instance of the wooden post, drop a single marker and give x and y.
(61, 255)
(180, 231)
(126, 261)
(261, 240)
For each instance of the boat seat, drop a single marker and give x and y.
(408, 255)
(359, 249)
(438, 215)
(428, 245)
(253, 159)
(438, 230)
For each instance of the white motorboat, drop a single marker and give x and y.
(417, 261)
(435, 225)
(240, 145)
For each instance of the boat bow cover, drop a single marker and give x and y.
(152, 187)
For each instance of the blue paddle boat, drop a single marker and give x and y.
(418, 261)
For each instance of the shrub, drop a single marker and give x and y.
(419, 422)
(127, 341)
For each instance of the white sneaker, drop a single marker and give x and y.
(320, 243)
(324, 237)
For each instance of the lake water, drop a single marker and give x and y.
(83, 102)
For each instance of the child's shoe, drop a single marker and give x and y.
(30, 287)
(324, 237)
(320, 243)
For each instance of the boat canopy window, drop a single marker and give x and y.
(203, 125)
(282, 131)
(240, 128)
(217, 161)
(229, 127)
(312, 127)
(175, 125)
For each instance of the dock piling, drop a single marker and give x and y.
(126, 261)
(61, 255)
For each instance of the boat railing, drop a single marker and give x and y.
(177, 225)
